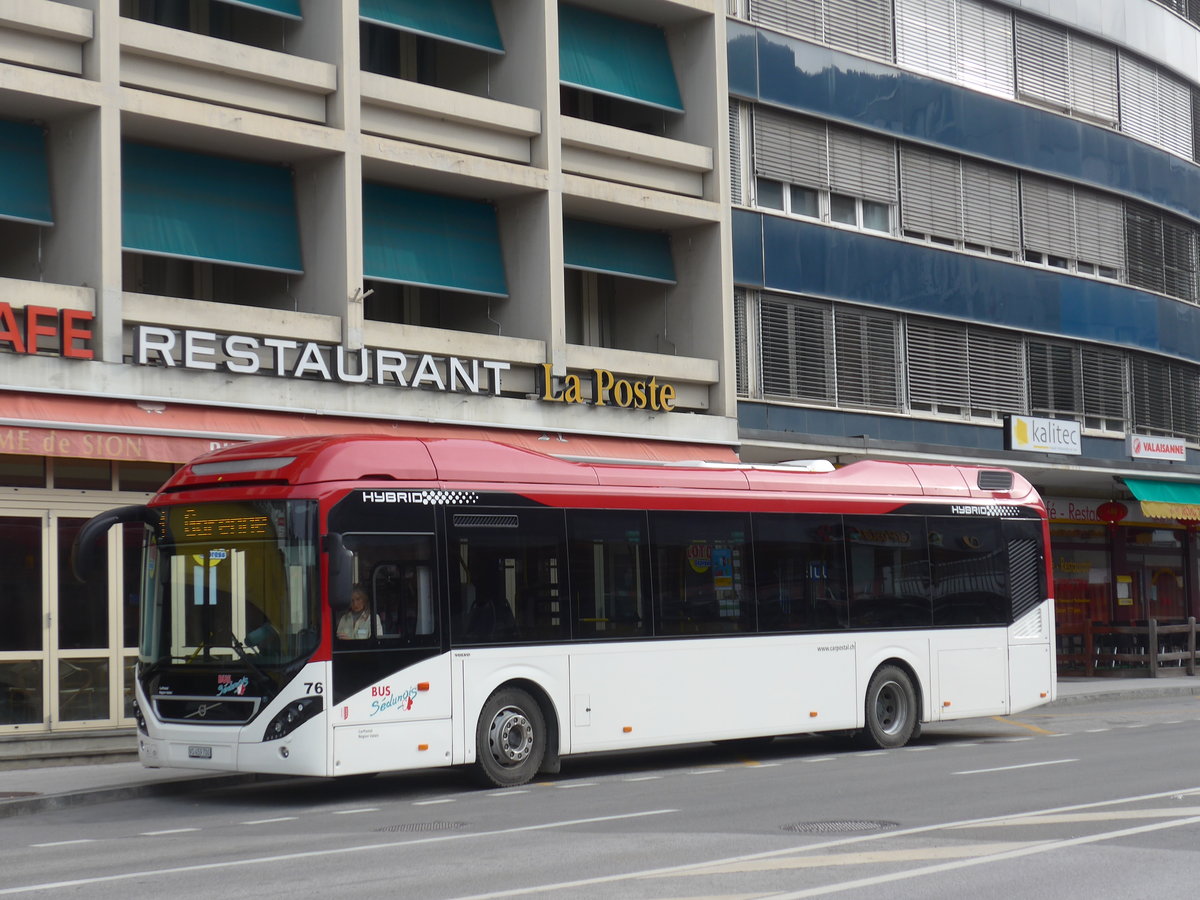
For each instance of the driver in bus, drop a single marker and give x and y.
(355, 623)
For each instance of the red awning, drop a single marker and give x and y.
(98, 428)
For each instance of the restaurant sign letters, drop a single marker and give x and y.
(60, 331)
(42, 330)
(155, 345)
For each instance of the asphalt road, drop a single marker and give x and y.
(1091, 801)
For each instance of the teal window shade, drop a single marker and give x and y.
(288, 8)
(1166, 499)
(194, 206)
(616, 57)
(429, 240)
(612, 250)
(24, 174)
(469, 22)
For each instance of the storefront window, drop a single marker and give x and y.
(1082, 574)
(82, 689)
(21, 582)
(83, 474)
(22, 471)
(144, 477)
(21, 692)
(82, 608)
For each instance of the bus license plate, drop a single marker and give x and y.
(199, 752)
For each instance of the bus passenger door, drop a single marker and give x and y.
(391, 690)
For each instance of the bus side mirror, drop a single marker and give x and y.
(88, 548)
(341, 569)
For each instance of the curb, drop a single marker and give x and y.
(1125, 693)
(89, 796)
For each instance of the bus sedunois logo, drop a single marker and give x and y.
(423, 497)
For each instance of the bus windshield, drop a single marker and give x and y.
(231, 583)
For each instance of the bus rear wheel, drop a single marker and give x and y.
(510, 739)
(891, 709)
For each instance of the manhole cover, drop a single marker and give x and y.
(838, 826)
(16, 795)
(424, 826)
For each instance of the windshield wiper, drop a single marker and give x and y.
(264, 680)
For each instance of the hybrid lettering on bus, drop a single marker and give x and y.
(352, 604)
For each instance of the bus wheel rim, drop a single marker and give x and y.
(891, 708)
(510, 737)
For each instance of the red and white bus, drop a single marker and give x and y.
(520, 608)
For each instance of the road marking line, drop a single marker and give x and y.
(705, 771)
(1051, 762)
(168, 831)
(917, 749)
(1022, 725)
(432, 802)
(838, 842)
(316, 854)
(354, 812)
(996, 857)
(576, 784)
(271, 821)
(506, 793)
(822, 759)
(645, 778)
(750, 764)
(1096, 730)
(1069, 818)
(64, 843)
(865, 857)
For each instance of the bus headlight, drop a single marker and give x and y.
(291, 717)
(141, 720)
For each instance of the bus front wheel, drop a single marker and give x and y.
(891, 709)
(510, 739)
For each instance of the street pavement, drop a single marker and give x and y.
(55, 787)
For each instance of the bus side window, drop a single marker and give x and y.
(800, 562)
(889, 571)
(511, 575)
(968, 565)
(701, 571)
(609, 573)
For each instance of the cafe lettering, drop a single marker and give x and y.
(59, 331)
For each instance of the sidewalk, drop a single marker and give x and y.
(57, 787)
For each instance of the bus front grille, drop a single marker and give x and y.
(206, 710)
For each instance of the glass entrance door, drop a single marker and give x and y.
(23, 636)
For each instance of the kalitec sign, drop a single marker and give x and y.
(1142, 447)
(60, 331)
(155, 345)
(1043, 435)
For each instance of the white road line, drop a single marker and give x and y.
(168, 831)
(575, 784)
(995, 857)
(1174, 722)
(65, 843)
(1050, 762)
(433, 802)
(1096, 730)
(271, 821)
(821, 759)
(705, 771)
(316, 854)
(529, 890)
(1009, 740)
(916, 749)
(507, 793)
(1139, 725)
(1077, 817)
(757, 765)
(645, 778)
(354, 812)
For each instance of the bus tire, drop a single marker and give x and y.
(891, 709)
(510, 739)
